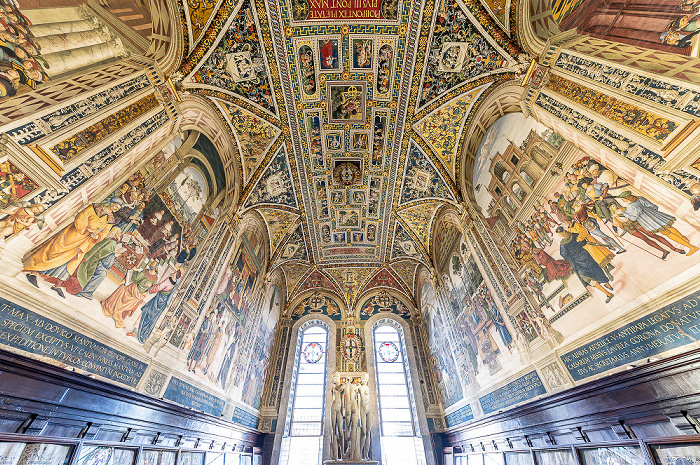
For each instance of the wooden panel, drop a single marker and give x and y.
(644, 402)
(41, 399)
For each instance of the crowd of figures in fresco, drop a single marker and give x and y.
(20, 61)
(120, 262)
(128, 252)
(591, 219)
(239, 324)
(589, 216)
(583, 235)
(589, 244)
(467, 335)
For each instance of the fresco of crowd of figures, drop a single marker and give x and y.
(172, 296)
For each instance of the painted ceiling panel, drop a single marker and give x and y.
(254, 136)
(321, 99)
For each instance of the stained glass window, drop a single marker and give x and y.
(313, 352)
(302, 441)
(388, 352)
(401, 441)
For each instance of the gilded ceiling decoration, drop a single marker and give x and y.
(348, 122)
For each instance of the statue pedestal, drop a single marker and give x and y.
(347, 462)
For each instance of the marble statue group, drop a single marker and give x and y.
(350, 419)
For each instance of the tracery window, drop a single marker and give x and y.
(303, 433)
(401, 442)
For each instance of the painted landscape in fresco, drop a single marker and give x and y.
(591, 243)
(444, 363)
(271, 311)
(475, 325)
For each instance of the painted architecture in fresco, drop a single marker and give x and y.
(667, 25)
(182, 196)
(583, 239)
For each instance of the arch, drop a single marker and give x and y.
(198, 114)
(532, 170)
(518, 191)
(509, 205)
(412, 364)
(525, 176)
(168, 39)
(340, 310)
(501, 172)
(424, 277)
(276, 278)
(366, 300)
(448, 227)
(540, 156)
(501, 100)
(298, 326)
(254, 224)
(535, 25)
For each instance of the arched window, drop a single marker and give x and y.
(303, 431)
(518, 191)
(527, 178)
(401, 442)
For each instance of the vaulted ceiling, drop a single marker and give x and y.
(348, 115)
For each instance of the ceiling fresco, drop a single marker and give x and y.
(344, 115)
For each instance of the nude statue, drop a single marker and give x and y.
(365, 422)
(346, 397)
(354, 452)
(337, 435)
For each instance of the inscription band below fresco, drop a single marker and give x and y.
(186, 394)
(672, 326)
(30, 332)
(522, 389)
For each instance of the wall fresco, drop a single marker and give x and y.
(445, 365)
(217, 347)
(253, 384)
(22, 68)
(667, 25)
(483, 344)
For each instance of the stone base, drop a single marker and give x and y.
(347, 462)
